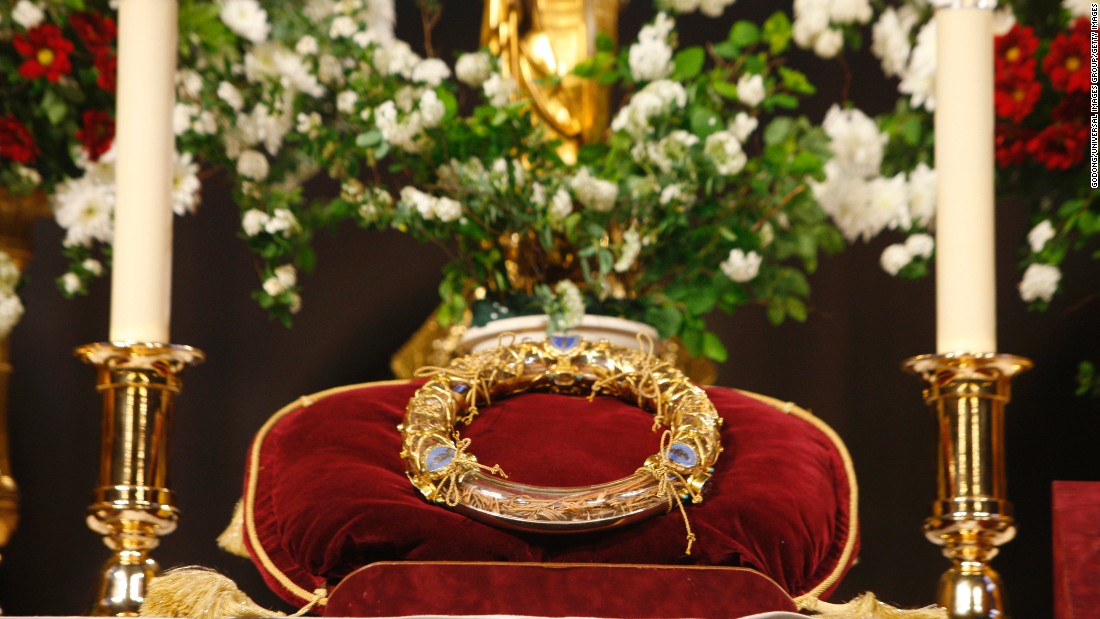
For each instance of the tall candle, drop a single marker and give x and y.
(965, 266)
(141, 277)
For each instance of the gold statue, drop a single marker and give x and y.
(539, 43)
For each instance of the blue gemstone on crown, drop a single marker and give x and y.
(460, 388)
(682, 455)
(564, 342)
(439, 457)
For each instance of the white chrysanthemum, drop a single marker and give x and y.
(750, 89)
(282, 221)
(572, 304)
(724, 150)
(85, 209)
(650, 59)
(895, 258)
(252, 164)
(855, 140)
(918, 80)
(922, 195)
(473, 69)
(920, 245)
(11, 310)
(1040, 235)
(253, 221)
(829, 43)
(228, 92)
(27, 14)
(1040, 282)
(561, 205)
(742, 126)
(890, 41)
(9, 273)
(185, 184)
(741, 267)
(283, 279)
(632, 246)
(431, 71)
(594, 193)
(498, 89)
(246, 18)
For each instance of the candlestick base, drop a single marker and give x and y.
(132, 507)
(971, 516)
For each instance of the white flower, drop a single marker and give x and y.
(185, 184)
(228, 92)
(741, 267)
(572, 304)
(9, 273)
(71, 283)
(561, 205)
(724, 150)
(632, 246)
(329, 70)
(498, 89)
(473, 69)
(922, 195)
(742, 126)
(431, 109)
(246, 18)
(30, 175)
(829, 43)
(380, 17)
(596, 194)
(345, 101)
(253, 221)
(283, 279)
(845, 198)
(189, 83)
(656, 98)
(920, 245)
(713, 8)
(918, 80)
(849, 11)
(307, 46)
(181, 117)
(811, 18)
(750, 89)
(888, 204)
(282, 221)
(890, 40)
(1040, 282)
(85, 209)
(27, 14)
(1003, 21)
(855, 140)
(431, 71)
(895, 258)
(396, 59)
(684, 6)
(1077, 8)
(342, 27)
(11, 310)
(308, 124)
(447, 209)
(252, 164)
(92, 266)
(650, 59)
(1039, 235)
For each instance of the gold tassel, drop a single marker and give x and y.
(232, 539)
(199, 593)
(867, 607)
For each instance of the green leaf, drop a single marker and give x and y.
(713, 347)
(704, 122)
(726, 50)
(777, 32)
(796, 81)
(55, 108)
(666, 319)
(744, 33)
(796, 309)
(368, 139)
(604, 43)
(725, 89)
(785, 101)
(778, 130)
(776, 312)
(688, 63)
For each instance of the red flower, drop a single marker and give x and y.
(1011, 145)
(95, 30)
(1067, 61)
(98, 133)
(106, 66)
(1015, 98)
(1071, 109)
(1014, 52)
(16, 142)
(46, 52)
(1059, 146)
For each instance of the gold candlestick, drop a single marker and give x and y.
(133, 507)
(971, 516)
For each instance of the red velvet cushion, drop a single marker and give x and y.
(326, 491)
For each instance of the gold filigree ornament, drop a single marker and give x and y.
(439, 464)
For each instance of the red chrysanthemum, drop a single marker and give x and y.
(1010, 144)
(1014, 52)
(16, 141)
(97, 31)
(106, 66)
(46, 51)
(1073, 109)
(97, 133)
(1059, 146)
(1067, 62)
(1016, 98)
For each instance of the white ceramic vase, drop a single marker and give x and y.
(617, 331)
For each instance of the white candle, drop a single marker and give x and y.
(966, 318)
(141, 277)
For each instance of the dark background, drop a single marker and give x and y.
(372, 290)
